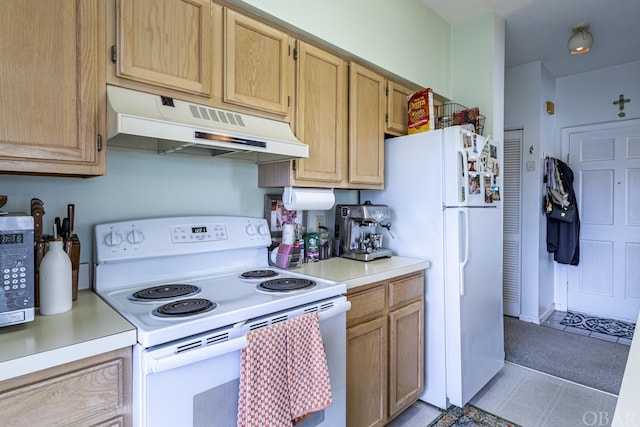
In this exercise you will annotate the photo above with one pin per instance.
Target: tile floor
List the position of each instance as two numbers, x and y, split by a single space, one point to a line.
530 399
553 321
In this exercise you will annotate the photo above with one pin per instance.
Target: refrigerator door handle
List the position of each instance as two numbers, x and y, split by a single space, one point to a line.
463 217
463 176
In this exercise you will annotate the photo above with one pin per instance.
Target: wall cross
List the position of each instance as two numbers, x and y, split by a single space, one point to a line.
621 101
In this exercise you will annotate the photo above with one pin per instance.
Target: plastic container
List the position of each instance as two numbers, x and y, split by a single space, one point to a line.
55 280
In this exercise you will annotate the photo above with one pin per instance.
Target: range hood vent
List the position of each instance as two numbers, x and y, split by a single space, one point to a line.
173 126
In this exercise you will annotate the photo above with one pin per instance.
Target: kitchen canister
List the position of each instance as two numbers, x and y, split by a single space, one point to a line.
55 280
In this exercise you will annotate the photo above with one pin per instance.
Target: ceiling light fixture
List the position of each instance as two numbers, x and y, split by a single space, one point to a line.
581 40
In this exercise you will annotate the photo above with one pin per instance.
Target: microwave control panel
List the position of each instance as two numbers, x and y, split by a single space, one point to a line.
17 293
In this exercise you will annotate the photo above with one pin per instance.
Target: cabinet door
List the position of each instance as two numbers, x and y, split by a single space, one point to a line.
396 119
52 110
321 115
166 43
406 356
366 126
257 64
367 373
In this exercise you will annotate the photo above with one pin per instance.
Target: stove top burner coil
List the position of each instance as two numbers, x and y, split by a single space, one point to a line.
286 284
258 274
165 292
185 307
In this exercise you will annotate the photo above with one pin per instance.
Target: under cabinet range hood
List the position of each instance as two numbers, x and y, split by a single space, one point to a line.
169 125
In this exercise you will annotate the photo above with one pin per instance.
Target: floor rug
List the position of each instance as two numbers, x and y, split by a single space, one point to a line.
579 358
612 327
469 416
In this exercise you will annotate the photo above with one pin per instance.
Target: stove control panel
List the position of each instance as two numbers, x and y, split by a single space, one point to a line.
148 238
198 233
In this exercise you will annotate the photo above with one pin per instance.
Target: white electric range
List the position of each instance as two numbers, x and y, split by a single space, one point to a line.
193 287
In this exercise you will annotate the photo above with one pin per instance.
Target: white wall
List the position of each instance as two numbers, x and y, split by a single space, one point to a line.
587 98
580 99
521 87
527 87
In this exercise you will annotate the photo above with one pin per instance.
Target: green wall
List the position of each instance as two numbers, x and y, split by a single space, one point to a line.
402 36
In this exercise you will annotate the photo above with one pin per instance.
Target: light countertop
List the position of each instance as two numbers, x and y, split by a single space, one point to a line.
358 273
91 327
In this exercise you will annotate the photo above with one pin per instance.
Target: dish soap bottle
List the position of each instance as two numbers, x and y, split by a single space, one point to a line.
55 280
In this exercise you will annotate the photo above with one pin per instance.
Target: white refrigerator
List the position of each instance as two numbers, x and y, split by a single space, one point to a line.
444 188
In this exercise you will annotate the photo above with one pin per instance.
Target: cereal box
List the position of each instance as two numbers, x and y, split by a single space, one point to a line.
420 111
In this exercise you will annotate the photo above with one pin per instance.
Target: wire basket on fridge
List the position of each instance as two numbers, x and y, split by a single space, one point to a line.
452 114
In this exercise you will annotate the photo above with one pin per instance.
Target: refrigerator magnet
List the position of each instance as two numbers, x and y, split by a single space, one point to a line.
474 184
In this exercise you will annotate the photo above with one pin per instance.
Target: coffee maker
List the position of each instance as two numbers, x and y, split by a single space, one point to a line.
358 233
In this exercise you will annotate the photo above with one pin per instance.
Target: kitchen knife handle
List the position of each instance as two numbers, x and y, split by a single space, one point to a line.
71 212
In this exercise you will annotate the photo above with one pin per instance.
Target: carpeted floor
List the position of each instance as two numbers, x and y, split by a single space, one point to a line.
469 416
595 363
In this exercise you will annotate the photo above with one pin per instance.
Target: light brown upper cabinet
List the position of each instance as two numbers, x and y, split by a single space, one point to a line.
321 122
165 43
343 153
396 119
52 106
257 65
367 108
321 114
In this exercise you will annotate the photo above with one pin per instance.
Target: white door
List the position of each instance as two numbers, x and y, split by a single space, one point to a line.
512 234
605 160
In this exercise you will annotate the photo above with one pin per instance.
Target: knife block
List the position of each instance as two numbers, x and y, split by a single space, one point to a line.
71 246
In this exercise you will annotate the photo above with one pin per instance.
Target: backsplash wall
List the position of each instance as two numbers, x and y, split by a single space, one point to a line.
141 185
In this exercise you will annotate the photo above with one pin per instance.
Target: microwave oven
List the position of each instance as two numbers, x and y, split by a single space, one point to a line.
17 296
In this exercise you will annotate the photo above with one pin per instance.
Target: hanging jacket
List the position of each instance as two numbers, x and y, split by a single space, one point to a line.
563 238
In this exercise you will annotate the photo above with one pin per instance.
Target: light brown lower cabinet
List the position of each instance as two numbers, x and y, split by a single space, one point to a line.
385 349
95 392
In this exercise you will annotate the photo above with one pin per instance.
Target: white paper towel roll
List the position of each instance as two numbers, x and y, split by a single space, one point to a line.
308 199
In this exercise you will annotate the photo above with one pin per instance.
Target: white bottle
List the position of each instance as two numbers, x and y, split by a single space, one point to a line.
55 280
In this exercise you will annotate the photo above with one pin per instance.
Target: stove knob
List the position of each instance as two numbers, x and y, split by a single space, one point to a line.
112 239
263 230
251 230
135 237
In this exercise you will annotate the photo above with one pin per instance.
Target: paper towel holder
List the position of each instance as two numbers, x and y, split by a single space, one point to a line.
300 198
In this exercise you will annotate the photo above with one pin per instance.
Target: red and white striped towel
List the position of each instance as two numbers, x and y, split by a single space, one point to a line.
308 375
283 374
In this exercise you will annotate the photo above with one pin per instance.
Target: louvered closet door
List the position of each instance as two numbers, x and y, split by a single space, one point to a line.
511 226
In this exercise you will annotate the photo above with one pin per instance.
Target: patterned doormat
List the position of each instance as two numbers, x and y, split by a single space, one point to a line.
612 327
469 416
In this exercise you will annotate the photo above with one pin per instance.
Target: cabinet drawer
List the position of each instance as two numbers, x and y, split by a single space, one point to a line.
366 305
90 392
405 289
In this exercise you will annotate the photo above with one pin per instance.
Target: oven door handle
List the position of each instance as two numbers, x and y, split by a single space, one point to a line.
174 361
